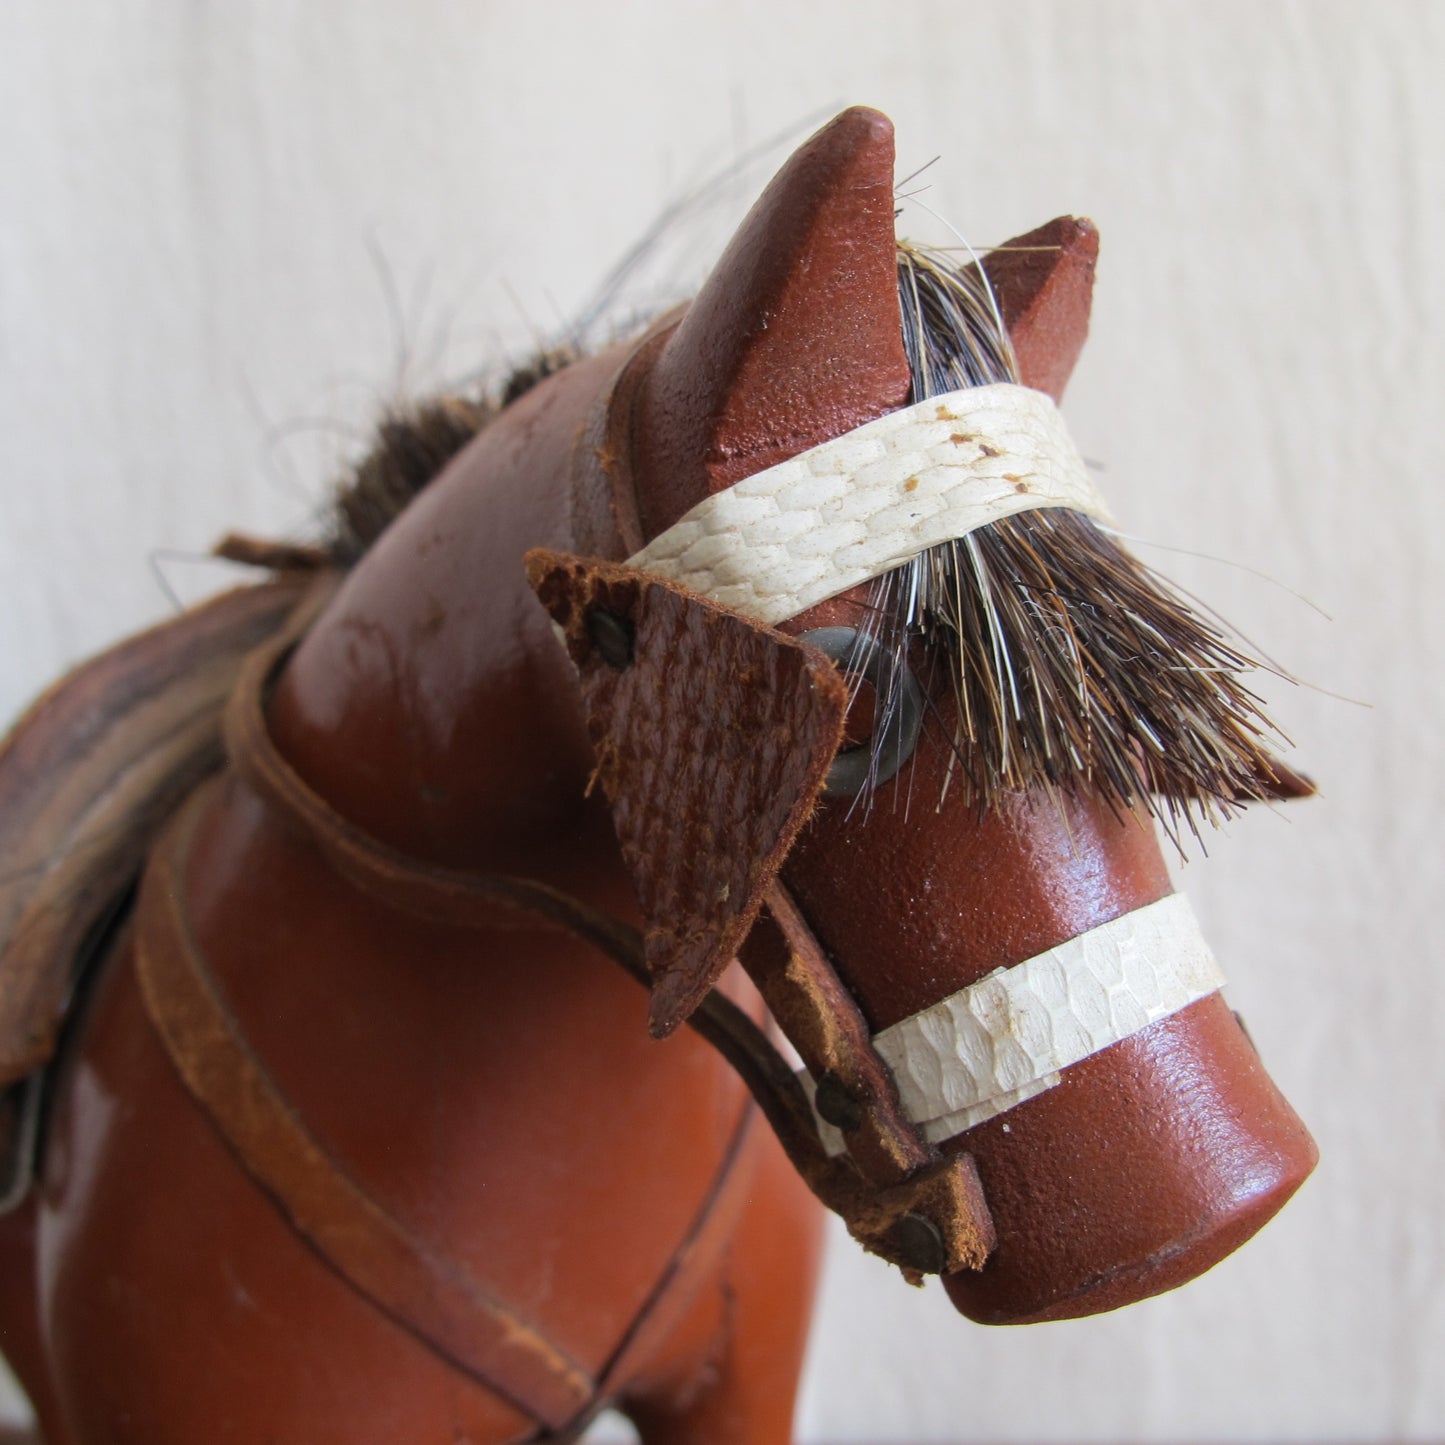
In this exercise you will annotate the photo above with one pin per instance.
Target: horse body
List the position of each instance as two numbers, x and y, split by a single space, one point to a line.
488 1091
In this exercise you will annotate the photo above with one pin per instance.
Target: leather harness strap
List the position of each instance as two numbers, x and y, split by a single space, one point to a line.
424 1294
828 1029
427 1295
924 1211
444 895
499 901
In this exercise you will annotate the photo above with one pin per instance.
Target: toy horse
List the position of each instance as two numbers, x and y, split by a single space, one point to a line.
792 632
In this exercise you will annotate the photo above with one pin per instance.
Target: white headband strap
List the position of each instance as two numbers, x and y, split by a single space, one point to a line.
784 539
1005 1039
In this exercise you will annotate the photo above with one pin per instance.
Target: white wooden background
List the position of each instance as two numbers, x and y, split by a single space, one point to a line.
193 198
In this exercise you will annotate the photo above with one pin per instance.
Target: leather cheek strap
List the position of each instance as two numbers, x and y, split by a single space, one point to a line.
713 735
923 1210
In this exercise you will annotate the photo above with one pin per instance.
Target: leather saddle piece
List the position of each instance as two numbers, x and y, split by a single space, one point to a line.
713 736
87 778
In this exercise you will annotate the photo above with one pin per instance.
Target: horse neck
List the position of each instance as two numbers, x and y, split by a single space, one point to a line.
430 704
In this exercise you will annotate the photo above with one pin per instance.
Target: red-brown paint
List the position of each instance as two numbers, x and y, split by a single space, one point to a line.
499 1091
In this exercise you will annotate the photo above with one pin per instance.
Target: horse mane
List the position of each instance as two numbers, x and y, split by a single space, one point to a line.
412 445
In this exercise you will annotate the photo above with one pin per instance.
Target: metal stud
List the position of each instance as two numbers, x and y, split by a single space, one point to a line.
918 1244
837 1103
612 635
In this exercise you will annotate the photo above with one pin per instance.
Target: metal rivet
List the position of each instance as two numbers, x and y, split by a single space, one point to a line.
612 636
837 1103
918 1244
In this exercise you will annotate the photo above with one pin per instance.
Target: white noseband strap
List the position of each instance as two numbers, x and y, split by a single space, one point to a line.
784 539
1006 1038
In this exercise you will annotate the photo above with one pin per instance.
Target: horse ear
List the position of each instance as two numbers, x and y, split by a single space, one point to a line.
1044 284
794 338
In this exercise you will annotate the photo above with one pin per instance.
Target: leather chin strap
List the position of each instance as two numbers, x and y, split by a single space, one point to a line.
900 1198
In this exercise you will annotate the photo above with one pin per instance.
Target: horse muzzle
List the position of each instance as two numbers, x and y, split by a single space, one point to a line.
1147 1164
1125 1134
1124 1131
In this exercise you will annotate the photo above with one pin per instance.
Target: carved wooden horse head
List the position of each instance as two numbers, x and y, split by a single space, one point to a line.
353 1134
985 937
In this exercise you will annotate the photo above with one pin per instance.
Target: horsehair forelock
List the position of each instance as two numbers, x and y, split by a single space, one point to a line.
1073 664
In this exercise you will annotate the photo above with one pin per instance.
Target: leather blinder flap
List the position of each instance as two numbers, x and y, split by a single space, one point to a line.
713 736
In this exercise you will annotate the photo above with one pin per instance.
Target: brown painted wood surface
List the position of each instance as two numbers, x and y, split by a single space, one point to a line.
496 1091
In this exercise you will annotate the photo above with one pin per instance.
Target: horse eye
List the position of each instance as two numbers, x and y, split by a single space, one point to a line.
897 709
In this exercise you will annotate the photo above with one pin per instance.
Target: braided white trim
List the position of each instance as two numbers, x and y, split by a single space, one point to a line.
1005 1039
784 539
